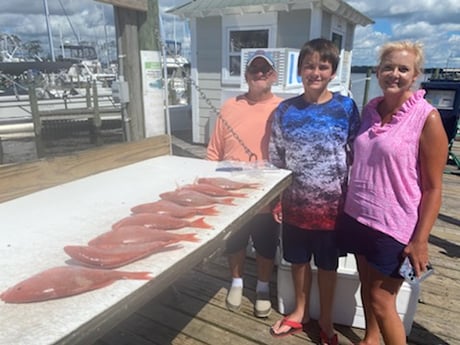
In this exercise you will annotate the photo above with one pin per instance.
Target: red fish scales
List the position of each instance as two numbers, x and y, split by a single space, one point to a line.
160 221
172 209
116 256
189 197
134 234
64 281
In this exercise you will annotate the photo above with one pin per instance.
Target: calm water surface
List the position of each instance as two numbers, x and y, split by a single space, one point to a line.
358 84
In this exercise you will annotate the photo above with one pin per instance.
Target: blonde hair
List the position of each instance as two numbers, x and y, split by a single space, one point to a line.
415 48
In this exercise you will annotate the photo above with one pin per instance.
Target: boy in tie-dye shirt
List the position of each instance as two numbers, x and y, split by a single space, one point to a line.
312 135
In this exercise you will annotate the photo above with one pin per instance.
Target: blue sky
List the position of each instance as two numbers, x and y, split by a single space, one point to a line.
435 23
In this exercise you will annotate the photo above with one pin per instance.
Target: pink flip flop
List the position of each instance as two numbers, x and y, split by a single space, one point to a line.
296 327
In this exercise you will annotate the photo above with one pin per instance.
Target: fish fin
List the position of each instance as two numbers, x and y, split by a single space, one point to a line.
172 247
239 195
207 211
200 223
189 237
138 209
136 275
118 224
227 201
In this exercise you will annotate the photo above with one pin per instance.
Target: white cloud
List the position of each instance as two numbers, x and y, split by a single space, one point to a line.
413 30
435 23
366 43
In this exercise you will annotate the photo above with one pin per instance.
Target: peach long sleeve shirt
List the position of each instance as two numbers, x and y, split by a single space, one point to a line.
250 121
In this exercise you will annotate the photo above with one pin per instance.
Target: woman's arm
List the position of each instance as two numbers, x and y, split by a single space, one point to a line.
433 156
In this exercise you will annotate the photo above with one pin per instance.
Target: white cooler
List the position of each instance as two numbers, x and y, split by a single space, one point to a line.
348 309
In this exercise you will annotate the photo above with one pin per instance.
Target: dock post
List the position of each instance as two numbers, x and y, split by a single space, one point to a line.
36 119
367 83
1 151
95 128
88 94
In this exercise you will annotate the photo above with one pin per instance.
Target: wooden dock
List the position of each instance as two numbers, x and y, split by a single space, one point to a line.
192 311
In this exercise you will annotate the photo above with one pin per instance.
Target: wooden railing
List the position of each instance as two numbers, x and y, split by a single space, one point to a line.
69 111
92 113
23 178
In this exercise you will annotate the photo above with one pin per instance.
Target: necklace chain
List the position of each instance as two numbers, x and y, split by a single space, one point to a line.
247 150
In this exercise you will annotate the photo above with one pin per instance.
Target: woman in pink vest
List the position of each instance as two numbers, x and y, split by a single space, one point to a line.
394 194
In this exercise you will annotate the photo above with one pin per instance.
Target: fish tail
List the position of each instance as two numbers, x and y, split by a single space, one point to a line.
200 223
189 237
207 211
227 201
136 275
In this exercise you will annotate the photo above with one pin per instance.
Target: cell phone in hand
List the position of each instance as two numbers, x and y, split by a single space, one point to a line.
407 271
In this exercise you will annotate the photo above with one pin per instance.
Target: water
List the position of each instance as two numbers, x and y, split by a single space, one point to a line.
358 84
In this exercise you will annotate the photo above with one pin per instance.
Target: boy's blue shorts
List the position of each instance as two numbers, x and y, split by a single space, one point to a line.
381 251
299 245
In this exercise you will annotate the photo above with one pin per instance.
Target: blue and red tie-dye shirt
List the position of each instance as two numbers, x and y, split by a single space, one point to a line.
314 142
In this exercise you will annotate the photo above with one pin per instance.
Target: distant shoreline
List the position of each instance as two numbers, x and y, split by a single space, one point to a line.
364 69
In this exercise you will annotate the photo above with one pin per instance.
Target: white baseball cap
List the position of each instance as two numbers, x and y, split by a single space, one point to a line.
264 55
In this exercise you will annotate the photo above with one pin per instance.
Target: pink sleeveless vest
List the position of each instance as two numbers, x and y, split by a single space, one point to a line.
385 187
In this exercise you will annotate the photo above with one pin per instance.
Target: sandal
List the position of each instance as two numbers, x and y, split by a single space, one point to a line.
325 340
295 327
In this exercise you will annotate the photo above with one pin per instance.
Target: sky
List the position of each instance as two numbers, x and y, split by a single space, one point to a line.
434 23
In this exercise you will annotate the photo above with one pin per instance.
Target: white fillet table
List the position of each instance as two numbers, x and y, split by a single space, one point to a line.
36 227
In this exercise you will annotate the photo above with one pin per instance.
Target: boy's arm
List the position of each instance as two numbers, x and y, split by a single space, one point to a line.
275 150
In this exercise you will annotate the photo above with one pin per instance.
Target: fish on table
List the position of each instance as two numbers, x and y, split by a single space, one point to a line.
134 234
187 197
64 281
226 183
161 222
172 209
212 190
116 256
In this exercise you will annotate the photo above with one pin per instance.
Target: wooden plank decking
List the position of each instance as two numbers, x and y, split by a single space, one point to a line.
192 311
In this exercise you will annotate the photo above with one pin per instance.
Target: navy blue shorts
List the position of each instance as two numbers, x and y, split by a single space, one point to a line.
299 245
264 232
381 251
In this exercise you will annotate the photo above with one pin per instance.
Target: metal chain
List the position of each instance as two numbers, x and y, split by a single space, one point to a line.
164 48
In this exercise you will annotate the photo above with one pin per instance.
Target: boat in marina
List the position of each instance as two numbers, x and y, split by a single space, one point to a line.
443 92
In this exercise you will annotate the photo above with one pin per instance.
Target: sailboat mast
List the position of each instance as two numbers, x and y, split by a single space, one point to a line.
50 37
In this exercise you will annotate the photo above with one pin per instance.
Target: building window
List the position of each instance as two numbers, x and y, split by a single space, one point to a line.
337 40
239 39
240 32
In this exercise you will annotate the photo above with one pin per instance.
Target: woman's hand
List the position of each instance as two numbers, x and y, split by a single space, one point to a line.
418 255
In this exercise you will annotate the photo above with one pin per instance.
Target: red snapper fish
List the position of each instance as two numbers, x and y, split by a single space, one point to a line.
187 197
65 281
160 221
116 256
172 209
212 190
134 234
226 183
